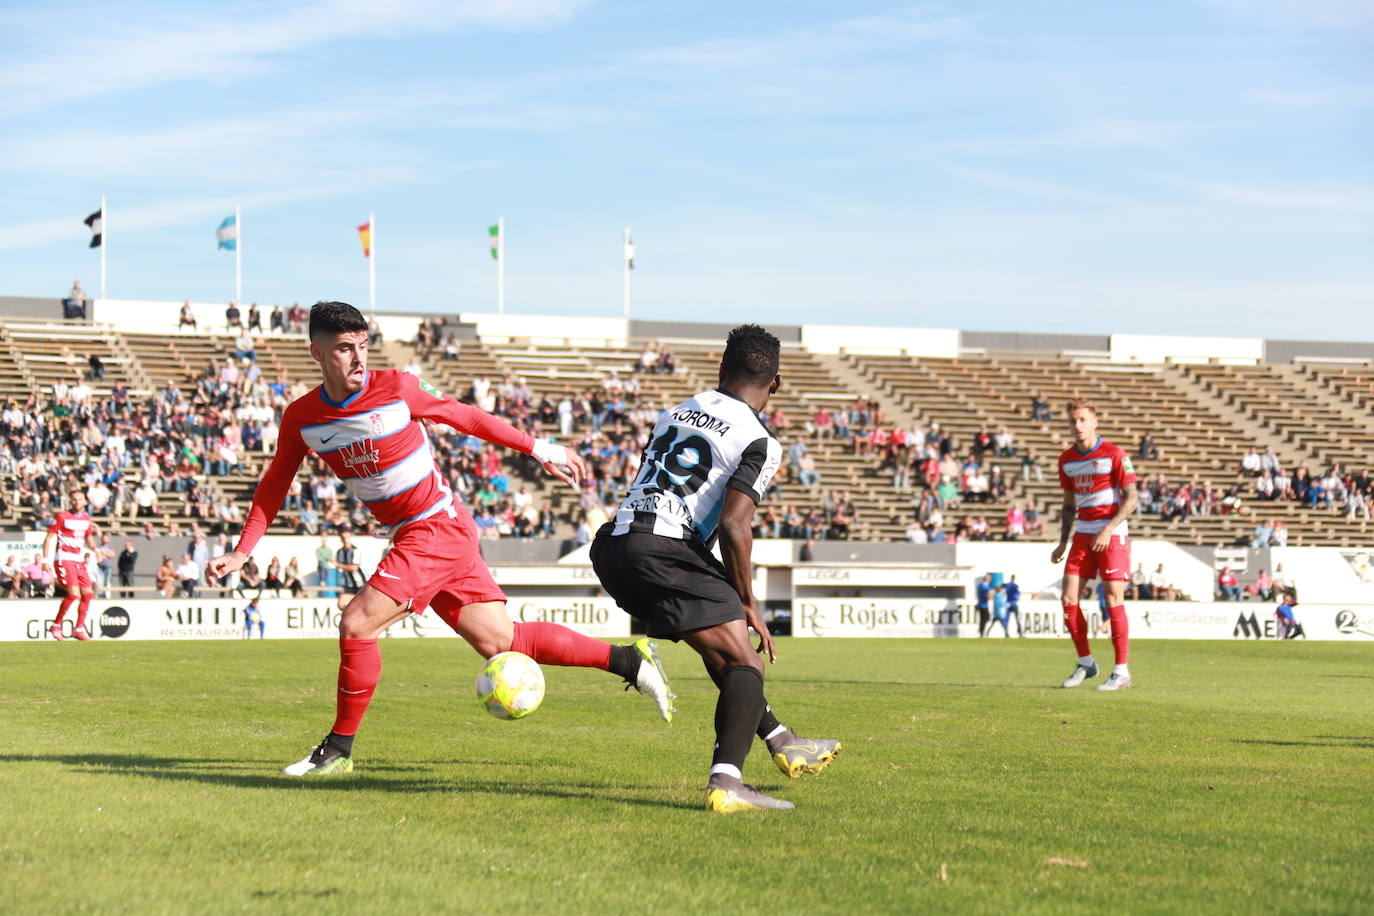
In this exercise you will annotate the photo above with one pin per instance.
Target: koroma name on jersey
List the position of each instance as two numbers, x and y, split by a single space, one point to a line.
1096 478
698 450
375 444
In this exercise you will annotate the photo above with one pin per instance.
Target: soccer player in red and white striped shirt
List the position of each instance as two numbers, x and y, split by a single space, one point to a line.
366 425
1099 495
71 530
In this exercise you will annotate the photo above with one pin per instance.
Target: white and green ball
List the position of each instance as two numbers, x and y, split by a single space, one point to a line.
510 685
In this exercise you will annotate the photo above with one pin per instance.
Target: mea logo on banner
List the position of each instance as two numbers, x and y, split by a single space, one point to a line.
1249 626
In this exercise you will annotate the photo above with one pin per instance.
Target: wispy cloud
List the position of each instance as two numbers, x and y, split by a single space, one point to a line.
133 54
822 42
1349 201
1117 134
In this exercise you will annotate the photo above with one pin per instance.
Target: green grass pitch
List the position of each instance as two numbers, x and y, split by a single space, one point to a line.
1234 777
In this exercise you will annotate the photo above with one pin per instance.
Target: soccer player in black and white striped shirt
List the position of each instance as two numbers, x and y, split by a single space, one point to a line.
707 464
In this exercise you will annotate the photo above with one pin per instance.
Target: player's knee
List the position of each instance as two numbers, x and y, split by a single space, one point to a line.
489 644
354 624
747 659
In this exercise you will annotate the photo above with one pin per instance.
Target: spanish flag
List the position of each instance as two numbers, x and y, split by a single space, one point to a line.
365 236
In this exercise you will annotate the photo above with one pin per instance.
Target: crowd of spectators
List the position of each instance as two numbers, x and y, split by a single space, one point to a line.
1334 488
147 457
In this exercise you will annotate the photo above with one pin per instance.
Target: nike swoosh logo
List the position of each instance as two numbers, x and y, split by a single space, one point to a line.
327 438
388 575
352 692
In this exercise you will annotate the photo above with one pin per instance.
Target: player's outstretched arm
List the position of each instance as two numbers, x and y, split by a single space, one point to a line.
427 403
271 491
736 548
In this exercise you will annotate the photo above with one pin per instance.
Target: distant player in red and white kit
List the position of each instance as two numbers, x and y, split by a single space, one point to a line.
366 426
69 532
1099 495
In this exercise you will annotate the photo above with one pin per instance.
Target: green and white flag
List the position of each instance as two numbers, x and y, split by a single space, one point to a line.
495 233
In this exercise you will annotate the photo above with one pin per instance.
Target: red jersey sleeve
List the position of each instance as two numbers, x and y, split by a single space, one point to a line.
56 526
1065 483
1123 471
426 403
267 499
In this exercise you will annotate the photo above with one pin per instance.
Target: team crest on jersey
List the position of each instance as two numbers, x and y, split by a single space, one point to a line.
376 420
1083 483
361 457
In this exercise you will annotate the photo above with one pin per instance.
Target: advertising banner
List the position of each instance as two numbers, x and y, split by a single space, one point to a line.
904 618
215 618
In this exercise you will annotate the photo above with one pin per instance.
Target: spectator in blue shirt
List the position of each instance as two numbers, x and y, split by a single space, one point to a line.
985 590
1012 591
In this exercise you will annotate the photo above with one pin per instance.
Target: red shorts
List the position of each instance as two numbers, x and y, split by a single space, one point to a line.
72 575
435 563
1111 565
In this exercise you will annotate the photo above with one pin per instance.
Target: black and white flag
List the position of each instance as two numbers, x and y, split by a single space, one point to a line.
94 223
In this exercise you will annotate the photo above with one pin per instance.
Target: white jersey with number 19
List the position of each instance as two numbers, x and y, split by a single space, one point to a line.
700 449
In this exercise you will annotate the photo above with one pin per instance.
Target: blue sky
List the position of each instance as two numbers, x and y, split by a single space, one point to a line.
1182 166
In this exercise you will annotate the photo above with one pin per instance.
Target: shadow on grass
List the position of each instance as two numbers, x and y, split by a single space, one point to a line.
1331 742
249 775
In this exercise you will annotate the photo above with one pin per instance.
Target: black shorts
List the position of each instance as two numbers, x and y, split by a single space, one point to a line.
675 586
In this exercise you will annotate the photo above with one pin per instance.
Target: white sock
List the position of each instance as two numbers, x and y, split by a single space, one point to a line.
725 769
1086 661
775 732
1121 670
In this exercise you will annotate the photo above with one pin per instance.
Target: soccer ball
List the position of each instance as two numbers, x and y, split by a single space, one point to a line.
510 685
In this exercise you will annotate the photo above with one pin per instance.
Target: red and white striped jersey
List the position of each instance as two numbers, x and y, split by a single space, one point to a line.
1095 478
72 529
374 443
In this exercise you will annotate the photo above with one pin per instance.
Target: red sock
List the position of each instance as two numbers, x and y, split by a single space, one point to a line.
1121 633
360 667
82 609
66 606
555 644
1078 628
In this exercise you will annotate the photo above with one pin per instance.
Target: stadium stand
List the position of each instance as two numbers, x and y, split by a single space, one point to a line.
867 436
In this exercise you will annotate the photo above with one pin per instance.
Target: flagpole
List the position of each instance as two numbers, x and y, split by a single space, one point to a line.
372 262
501 265
625 258
104 243
238 255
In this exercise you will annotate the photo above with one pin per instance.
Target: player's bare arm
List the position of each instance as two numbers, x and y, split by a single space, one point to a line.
49 544
736 549
1130 498
1066 518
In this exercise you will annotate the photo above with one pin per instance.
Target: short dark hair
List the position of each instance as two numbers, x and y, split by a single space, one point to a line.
335 318
751 356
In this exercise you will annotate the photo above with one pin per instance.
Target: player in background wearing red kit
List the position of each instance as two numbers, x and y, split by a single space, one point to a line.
69 532
366 426
1099 495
